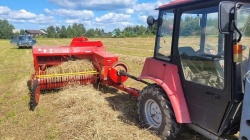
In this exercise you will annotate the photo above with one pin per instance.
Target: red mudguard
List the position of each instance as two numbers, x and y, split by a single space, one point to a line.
166 75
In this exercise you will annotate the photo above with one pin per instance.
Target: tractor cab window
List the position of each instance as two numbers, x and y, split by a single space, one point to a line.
200 47
164 36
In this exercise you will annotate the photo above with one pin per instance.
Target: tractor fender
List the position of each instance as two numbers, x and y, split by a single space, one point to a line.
166 75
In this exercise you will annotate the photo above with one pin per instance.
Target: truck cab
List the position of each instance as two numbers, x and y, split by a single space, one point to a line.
199 66
23 41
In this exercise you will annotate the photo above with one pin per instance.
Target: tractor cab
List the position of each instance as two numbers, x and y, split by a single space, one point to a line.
202 52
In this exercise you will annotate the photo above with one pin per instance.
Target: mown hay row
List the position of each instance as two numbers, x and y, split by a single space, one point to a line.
82 65
84 113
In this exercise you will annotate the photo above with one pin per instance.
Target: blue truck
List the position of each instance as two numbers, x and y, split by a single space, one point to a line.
23 41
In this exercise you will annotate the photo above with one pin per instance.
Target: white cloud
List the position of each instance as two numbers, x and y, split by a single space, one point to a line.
4 10
113 17
143 18
161 2
110 21
72 21
16 20
87 23
24 16
46 10
126 24
143 10
21 14
146 8
41 19
84 14
129 11
71 16
95 4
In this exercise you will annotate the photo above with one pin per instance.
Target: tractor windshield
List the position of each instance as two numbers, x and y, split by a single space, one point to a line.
164 35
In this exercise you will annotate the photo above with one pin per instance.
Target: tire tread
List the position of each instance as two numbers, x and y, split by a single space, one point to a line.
171 127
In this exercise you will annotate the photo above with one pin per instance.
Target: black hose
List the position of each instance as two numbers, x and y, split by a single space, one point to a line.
124 73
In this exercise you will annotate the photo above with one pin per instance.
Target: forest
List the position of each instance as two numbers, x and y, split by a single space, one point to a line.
77 30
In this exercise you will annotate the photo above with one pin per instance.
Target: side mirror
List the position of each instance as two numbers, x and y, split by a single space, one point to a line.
226 16
150 20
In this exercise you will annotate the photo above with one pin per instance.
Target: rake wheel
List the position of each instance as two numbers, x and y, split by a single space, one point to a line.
34 95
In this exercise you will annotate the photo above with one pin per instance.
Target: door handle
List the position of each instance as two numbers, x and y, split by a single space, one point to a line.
214 95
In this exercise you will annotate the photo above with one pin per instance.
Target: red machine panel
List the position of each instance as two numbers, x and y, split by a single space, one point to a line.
104 58
66 50
82 41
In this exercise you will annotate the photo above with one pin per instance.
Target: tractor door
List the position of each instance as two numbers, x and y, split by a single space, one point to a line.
201 63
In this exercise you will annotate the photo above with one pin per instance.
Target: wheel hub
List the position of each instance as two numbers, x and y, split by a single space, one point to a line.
153 113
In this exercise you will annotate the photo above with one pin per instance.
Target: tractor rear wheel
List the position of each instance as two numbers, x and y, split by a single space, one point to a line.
34 95
156 112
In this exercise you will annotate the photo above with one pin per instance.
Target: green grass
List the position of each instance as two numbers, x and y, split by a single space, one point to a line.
51 133
10 115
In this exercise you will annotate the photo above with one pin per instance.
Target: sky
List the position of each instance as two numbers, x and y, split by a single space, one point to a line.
105 14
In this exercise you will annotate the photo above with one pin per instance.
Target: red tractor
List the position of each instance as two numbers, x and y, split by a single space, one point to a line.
199 69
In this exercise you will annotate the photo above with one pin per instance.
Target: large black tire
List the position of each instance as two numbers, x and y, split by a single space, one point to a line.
156 112
34 97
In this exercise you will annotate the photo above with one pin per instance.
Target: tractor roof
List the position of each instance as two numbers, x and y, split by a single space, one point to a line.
177 3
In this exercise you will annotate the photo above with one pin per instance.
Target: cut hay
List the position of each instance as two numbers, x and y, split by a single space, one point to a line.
70 71
70 66
84 113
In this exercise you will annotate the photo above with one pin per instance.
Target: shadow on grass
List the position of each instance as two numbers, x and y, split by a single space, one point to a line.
122 102
20 48
29 85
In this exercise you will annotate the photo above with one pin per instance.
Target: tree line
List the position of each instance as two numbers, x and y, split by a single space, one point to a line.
77 30
189 26
6 29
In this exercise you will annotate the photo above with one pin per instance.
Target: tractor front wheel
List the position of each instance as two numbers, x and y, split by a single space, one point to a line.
156 112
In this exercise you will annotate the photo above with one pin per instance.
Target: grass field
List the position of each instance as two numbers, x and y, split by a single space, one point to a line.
74 112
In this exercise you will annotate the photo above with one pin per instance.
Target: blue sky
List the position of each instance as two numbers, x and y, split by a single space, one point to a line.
106 14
